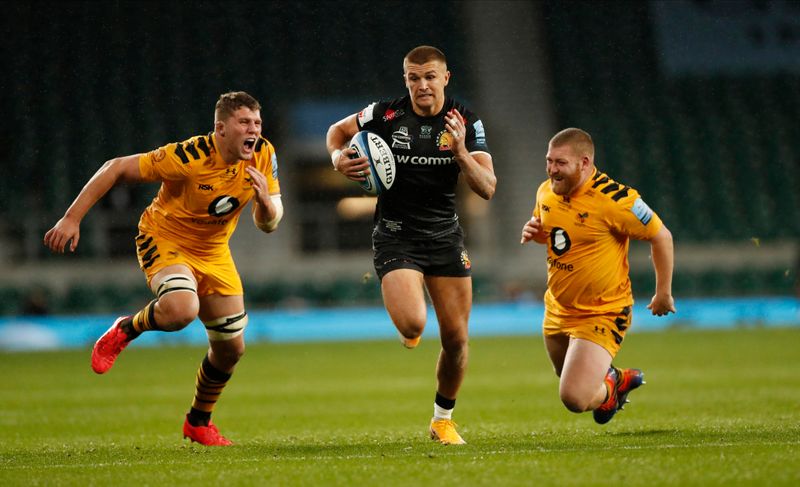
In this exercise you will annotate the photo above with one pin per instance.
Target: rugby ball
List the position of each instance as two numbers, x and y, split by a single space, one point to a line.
382 171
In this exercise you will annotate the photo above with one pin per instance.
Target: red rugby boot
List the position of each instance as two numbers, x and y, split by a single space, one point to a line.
205 435
108 347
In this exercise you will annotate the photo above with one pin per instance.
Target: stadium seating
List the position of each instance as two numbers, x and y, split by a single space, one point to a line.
718 155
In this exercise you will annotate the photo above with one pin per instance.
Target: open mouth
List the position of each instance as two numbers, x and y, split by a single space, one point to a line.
249 143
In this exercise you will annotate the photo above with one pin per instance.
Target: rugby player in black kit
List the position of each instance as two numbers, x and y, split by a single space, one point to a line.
418 242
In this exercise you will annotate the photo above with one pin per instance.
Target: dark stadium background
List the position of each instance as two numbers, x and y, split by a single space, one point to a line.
694 103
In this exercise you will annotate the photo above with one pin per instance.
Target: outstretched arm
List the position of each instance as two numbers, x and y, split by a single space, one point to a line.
662 251
68 227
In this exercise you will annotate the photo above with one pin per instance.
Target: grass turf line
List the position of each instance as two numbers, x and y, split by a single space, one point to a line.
719 408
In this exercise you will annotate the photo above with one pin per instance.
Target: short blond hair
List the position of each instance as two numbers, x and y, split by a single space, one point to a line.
580 141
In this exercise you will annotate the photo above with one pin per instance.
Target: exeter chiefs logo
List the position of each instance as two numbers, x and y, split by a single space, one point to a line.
465 260
444 140
223 205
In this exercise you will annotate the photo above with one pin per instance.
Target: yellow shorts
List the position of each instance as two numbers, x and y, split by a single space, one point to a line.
607 330
215 273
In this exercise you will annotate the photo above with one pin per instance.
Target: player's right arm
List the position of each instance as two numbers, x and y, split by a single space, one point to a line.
67 229
339 134
663 258
532 230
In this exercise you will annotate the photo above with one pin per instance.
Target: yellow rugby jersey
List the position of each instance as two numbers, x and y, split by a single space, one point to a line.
201 196
587 251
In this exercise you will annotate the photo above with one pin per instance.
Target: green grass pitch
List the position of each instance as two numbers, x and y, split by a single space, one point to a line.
719 408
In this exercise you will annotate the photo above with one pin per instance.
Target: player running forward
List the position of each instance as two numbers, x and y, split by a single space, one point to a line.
586 219
418 242
182 245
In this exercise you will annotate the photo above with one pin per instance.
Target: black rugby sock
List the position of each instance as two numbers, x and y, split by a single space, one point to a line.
444 403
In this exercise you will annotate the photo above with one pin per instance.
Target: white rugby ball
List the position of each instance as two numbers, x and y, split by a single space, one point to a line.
382 169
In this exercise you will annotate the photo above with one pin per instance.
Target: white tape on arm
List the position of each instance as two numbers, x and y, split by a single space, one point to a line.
272 224
335 157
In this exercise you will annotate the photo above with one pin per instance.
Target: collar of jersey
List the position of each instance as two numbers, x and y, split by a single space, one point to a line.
586 185
215 155
449 103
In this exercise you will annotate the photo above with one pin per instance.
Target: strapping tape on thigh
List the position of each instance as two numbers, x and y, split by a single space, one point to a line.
227 327
176 282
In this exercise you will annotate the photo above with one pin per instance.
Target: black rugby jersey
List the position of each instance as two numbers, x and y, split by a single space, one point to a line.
421 203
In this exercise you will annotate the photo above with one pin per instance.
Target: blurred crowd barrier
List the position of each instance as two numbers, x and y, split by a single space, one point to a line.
110 297
372 323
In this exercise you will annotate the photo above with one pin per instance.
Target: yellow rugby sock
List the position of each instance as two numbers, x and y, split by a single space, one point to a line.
145 320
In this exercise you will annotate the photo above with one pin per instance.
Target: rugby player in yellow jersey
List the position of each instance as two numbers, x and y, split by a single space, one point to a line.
206 181
587 220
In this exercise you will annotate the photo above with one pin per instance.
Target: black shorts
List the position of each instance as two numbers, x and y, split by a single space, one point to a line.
443 256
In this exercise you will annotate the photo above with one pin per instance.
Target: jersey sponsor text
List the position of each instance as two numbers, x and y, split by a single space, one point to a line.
424 160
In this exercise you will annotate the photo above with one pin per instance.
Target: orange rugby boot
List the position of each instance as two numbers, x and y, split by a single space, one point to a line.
620 383
444 431
409 342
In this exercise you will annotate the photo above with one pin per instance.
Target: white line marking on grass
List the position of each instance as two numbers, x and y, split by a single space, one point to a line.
449 452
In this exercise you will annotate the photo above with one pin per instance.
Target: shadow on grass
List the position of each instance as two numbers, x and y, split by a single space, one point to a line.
647 433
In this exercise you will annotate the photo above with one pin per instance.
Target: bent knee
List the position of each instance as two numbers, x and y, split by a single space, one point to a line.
232 356
454 337
455 344
177 314
574 402
410 333
410 326
228 356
